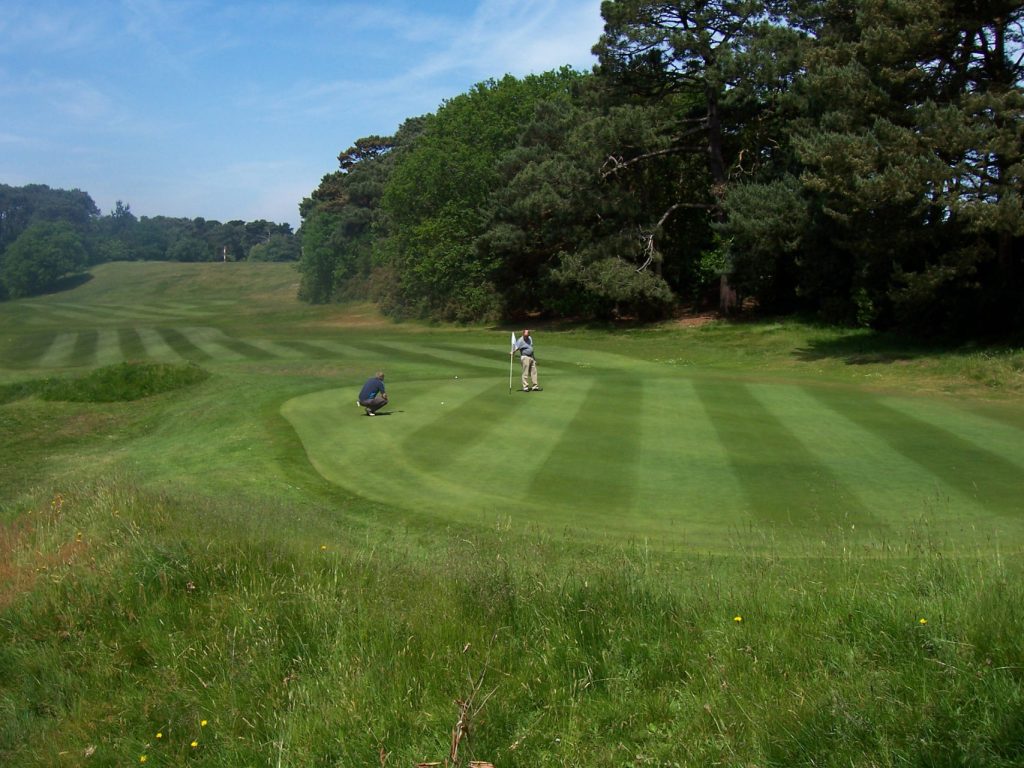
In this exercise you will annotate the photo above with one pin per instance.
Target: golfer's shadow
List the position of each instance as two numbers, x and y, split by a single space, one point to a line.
387 413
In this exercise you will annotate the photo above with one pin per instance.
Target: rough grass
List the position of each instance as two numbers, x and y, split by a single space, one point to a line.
117 383
358 649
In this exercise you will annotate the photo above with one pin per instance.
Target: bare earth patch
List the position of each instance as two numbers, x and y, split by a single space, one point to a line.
697 319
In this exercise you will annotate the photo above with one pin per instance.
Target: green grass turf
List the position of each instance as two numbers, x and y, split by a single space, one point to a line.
615 446
763 544
682 437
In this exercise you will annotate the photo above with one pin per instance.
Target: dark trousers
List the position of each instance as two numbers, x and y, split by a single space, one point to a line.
376 404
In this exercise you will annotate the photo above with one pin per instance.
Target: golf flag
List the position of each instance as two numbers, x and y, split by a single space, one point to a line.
510 355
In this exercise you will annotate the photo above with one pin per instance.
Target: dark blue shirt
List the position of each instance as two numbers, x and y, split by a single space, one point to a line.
370 389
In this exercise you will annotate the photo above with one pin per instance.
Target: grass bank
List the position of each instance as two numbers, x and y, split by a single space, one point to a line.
130 634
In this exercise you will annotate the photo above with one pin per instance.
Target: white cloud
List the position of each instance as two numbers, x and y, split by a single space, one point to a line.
49 30
144 97
432 58
523 38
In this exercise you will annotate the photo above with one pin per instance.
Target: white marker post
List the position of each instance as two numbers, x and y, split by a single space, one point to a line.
510 355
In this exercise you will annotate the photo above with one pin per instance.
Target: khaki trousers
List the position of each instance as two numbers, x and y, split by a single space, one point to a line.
529 370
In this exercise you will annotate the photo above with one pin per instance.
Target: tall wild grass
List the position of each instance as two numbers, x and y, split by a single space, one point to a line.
132 630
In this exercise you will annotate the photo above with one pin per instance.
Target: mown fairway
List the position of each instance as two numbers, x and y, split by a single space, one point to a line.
673 435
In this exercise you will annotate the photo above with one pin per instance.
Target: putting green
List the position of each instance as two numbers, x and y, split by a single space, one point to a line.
618 447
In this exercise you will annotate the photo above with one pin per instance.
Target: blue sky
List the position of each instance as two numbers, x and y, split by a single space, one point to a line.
232 110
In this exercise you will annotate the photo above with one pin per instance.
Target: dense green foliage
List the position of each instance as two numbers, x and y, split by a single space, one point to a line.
861 161
48 234
40 257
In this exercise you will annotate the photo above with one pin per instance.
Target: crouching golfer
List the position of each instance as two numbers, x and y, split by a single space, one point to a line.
525 347
372 396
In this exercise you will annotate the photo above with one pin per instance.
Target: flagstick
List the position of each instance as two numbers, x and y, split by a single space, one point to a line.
511 355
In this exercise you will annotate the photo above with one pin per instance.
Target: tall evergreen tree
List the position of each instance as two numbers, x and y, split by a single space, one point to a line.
343 219
912 157
729 58
571 238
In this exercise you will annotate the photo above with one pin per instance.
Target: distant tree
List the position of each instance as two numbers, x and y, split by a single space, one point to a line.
437 198
343 220
322 239
153 236
190 247
277 248
20 207
231 241
40 257
111 237
121 218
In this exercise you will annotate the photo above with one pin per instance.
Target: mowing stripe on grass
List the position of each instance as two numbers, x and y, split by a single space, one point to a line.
91 312
84 351
685 485
277 350
890 488
784 482
510 438
453 363
602 441
51 349
31 349
132 347
170 311
155 346
247 350
219 346
338 349
181 345
345 446
498 354
438 445
60 314
989 433
108 348
973 471
998 413
398 364
304 349
75 310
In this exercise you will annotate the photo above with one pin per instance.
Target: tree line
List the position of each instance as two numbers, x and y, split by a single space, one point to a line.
47 234
859 161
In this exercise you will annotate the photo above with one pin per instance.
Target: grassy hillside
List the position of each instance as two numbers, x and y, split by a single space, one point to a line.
766 544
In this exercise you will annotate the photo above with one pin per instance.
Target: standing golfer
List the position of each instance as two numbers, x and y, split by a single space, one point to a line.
372 396
525 347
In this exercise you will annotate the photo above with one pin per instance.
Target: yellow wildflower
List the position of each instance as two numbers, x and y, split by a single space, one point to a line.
194 744
202 723
159 734
737 619
143 758
922 621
